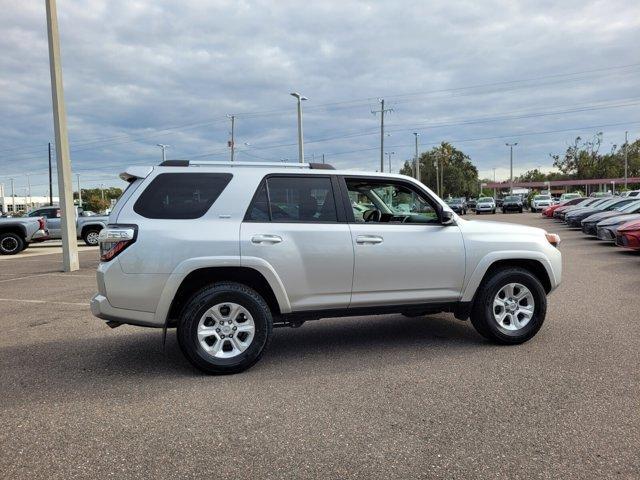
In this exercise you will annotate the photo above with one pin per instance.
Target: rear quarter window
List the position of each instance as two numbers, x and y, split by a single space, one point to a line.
181 196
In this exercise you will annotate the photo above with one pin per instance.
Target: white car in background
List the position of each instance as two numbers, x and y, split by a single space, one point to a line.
541 202
485 205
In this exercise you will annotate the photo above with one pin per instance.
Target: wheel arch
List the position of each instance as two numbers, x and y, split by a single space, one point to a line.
178 294
17 229
538 265
91 226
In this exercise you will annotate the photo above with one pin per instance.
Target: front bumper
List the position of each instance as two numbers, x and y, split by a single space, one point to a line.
605 233
485 208
575 222
511 207
590 229
628 241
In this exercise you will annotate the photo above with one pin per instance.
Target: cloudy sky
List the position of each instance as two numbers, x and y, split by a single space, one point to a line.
477 74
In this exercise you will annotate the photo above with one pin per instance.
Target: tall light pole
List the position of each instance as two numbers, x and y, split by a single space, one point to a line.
70 258
437 162
494 183
13 197
382 111
79 191
626 158
29 189
50 179
511 145
300 98
232 142
389 159
416 159
164 150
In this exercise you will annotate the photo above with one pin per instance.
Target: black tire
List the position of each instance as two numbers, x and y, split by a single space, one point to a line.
482 312
205 299
520 210
493 211
11 243
90 236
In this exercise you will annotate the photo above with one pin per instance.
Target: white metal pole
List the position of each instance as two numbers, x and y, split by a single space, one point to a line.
300 98
13 197
79 191
416 159
70 258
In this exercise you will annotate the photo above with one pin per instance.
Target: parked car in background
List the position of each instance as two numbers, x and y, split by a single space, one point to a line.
512 203
590 224
499 201
539 202
628 235
548 212
631 193
568 196
471 203
485 205
88 226
607 229
17 233
458 205
561 212
575 218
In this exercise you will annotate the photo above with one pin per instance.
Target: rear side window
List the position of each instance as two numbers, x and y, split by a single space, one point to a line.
181 196
293 199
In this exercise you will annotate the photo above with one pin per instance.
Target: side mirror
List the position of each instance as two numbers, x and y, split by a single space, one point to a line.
447 217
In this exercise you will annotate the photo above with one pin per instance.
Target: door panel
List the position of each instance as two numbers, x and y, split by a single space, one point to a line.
314 261
411 264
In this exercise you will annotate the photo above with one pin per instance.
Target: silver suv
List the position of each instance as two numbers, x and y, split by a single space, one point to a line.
225 252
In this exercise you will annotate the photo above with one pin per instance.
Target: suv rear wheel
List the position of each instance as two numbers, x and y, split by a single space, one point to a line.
510 306
225 328
11 243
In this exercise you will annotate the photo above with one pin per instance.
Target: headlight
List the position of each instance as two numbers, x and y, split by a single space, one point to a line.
553 239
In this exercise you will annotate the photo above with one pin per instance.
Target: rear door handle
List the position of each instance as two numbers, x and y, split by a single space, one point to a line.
368 239
266 239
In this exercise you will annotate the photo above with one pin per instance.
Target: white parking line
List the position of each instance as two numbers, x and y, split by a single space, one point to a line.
13 279
43 301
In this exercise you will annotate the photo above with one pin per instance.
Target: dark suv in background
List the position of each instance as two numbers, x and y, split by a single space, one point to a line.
512 203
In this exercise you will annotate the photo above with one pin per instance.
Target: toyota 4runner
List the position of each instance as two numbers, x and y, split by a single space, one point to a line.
225 252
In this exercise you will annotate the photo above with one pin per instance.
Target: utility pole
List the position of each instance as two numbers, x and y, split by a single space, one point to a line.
79 191
494 183
50 179
323 158
382 111
65 190
416 167
102 191
389 159
164 150
232 142
300 99
13 198
438 173
511 145
626 158
29 190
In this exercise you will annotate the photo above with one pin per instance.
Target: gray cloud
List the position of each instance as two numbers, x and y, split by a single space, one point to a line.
140 73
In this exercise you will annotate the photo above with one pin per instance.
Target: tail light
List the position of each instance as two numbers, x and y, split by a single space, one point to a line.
114 239
42 223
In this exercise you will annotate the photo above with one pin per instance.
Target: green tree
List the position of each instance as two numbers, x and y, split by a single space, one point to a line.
98 200
460 175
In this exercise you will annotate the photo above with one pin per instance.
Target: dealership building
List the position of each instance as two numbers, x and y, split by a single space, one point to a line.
10 204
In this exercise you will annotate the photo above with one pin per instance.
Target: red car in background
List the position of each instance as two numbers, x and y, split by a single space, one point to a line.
628 235
548 212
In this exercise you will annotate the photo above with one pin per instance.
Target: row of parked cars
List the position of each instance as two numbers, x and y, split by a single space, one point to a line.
509 203
612 219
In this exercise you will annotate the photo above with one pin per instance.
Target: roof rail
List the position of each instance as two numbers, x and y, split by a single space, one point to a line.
195 163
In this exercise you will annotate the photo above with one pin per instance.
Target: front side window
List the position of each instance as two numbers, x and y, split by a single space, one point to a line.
388 202
181 196
293 199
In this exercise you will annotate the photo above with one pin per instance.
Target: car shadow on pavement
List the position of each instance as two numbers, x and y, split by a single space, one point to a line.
104 366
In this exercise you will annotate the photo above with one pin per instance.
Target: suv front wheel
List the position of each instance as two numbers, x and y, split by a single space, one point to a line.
225 328
510 306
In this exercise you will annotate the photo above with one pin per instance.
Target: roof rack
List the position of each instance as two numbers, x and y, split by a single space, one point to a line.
195 163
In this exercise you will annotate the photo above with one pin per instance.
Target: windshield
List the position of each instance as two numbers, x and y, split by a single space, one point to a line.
542 197
455 201
512 198
631 207
485 199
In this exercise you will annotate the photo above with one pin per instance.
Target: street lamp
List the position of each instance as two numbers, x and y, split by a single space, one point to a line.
389 159
300 99
416 161
511 145
164 149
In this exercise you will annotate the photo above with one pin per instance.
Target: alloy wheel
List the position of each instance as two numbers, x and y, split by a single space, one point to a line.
513 307
226 330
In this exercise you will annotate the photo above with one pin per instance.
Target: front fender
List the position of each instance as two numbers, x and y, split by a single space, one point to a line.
553 271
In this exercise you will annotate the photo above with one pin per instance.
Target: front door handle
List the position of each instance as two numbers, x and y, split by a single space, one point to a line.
266 239
368 239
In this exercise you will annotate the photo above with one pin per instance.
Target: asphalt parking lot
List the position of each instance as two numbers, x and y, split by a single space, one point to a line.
368 397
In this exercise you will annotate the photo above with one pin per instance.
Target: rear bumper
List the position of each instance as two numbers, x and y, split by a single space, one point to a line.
40 236
101 308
